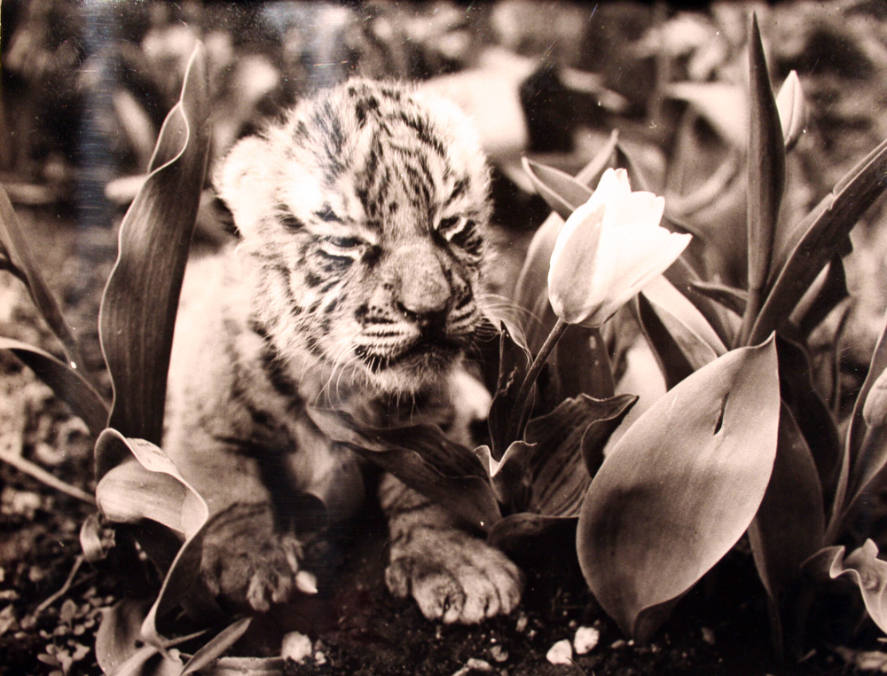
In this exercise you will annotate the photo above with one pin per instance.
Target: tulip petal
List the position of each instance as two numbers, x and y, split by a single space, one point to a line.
608 249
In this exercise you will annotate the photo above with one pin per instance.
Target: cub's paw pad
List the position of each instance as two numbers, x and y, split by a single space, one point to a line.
248 563
453 576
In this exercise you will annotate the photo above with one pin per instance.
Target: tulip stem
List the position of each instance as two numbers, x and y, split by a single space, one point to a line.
526 388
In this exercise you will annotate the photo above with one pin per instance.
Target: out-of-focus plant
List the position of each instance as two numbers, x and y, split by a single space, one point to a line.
139 489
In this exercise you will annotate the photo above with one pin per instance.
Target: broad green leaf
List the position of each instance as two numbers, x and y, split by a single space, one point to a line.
678 490
812 243
139 303
423 458
20 261
216 647
766 176
561 192
790 523
68 384
137 480
864 568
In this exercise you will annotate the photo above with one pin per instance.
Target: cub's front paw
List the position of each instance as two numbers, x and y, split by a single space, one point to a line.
247 563
453 576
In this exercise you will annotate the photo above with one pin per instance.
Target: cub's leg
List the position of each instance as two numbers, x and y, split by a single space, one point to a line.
250 558
453 575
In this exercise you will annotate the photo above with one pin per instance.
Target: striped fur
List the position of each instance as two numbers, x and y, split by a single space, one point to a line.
361 216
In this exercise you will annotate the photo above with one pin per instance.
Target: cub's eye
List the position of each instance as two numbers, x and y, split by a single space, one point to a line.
461 232
344 242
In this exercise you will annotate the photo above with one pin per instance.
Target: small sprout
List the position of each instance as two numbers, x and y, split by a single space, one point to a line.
792 109
560 653
585 640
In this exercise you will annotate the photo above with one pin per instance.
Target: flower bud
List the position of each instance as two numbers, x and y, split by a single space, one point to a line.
608 250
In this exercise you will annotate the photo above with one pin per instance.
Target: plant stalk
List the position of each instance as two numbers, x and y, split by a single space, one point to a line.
526 388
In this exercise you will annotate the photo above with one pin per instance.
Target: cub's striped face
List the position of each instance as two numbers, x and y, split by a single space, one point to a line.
365 211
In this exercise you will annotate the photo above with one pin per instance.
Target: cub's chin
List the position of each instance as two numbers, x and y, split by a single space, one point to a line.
420 367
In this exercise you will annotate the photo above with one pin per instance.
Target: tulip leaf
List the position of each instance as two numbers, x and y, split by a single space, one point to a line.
678 490
790 523
729 297
561 441
16 256
591 173
826 292
116 642
137 480
561 192
210 651
812 242
864 568
766 175
810 411
865 449
68 384
682 276
674 363
423 458
139 303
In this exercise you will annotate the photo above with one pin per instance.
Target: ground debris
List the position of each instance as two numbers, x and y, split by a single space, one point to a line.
474 665
585 640
560 653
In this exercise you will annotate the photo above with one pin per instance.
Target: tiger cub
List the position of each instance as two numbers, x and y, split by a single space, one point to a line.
354 285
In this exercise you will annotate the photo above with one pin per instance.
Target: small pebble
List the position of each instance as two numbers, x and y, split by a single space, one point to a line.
522 621
295 646
585 640
498 653
319 657
708 636
618 643
472 665
560 653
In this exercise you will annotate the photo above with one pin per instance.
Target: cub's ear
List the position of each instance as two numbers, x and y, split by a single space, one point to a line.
243 181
